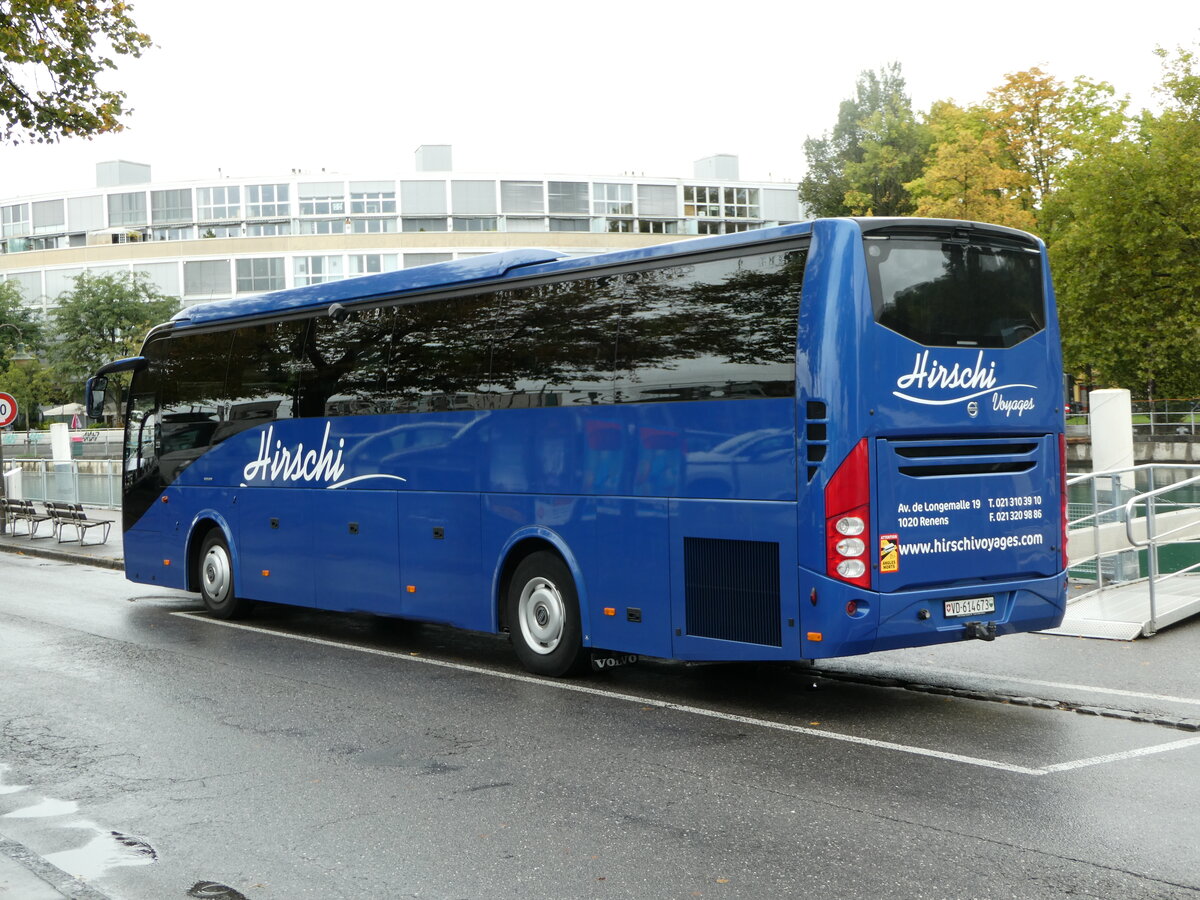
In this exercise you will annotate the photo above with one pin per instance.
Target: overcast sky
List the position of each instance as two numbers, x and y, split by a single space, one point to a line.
354 86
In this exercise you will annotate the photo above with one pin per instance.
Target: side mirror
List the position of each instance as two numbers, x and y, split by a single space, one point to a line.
94 394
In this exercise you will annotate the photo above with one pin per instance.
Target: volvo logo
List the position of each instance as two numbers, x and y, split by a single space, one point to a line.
973 409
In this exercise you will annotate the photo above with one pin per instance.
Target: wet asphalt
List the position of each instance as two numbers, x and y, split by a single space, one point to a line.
149 752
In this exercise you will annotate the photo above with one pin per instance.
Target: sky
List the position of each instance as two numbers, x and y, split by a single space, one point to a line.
246 87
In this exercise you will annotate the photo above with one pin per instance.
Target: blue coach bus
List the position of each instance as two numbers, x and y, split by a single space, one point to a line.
799 442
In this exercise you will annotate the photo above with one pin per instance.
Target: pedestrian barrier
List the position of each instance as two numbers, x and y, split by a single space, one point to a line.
96 482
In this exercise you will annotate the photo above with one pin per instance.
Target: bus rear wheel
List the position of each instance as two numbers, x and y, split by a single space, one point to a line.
215 577
543 617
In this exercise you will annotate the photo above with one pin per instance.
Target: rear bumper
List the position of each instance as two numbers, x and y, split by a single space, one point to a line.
917 618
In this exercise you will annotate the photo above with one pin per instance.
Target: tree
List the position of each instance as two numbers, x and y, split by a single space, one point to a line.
50 62
32 384
1043 124
19 325
967 176
876 147
1124 259
105 317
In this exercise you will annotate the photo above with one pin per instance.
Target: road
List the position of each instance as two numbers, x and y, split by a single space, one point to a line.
152 752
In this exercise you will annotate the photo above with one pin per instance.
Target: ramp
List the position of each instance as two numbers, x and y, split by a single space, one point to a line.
1123 613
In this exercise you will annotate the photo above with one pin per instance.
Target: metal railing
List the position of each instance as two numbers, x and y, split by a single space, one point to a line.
92 443
1119 521
95 482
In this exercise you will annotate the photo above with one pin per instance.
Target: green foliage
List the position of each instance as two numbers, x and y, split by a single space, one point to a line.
32 384
1126 249
49 64
104 318
20 329
969 174
876 147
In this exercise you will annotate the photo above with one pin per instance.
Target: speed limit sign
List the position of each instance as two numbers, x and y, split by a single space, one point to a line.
8 409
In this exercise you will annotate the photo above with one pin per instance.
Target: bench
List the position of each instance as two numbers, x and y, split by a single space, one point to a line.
64 514
23 511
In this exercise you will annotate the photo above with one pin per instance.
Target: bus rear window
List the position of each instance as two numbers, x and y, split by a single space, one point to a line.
955 293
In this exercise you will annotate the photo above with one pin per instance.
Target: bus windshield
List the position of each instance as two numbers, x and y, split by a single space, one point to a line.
955 293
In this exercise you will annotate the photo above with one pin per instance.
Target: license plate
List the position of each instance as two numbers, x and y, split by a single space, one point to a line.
970 606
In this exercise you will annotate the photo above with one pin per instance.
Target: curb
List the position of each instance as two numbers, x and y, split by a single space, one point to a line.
65 556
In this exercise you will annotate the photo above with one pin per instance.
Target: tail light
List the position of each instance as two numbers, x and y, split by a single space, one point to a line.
848 519
1062 487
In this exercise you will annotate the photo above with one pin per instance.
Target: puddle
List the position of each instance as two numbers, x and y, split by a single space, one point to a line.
45 809
107 850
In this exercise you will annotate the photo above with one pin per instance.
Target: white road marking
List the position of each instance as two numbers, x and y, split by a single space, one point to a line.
708 713
1091 688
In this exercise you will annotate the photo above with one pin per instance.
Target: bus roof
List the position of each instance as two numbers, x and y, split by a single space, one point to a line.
489 268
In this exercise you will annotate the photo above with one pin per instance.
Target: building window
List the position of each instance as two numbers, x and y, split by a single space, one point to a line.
372 202
423 198
372 263
15 219
657 200
222 202
414 225
173 233
474 223
645 226
373 226
171 206
268 229
127 209
708 227
257 275
569 197
323 226
741 203
265 201
220 231
317 269
329 205
612 199
515 223
473 197
619 225
521 197
49 217
206 277
734 227
424 259
702 202
570 224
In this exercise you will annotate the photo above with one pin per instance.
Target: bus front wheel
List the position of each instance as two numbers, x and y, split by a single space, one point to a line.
215 577
543 617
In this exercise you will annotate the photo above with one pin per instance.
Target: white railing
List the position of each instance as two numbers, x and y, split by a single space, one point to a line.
103 443
1106 533
95 482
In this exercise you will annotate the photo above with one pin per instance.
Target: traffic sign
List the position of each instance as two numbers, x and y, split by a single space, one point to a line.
8 409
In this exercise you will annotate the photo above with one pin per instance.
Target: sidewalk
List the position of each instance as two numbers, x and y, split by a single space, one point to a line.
109 555
26 876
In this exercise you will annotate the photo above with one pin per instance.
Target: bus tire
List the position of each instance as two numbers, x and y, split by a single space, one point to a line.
543 617
214 575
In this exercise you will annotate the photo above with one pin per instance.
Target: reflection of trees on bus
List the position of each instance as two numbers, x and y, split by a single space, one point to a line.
716 329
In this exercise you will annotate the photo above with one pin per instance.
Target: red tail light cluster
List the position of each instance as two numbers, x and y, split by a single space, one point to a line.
848 519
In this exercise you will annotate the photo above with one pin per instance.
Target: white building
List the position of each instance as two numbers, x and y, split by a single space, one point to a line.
218 238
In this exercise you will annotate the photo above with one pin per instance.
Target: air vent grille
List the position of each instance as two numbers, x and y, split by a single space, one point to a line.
731 590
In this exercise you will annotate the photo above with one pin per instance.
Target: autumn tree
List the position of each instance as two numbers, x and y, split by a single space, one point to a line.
1043 123
1125 257
52 54
875 148
968 175
105 317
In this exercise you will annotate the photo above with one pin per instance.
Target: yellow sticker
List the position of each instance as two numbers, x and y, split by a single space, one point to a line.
889 553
